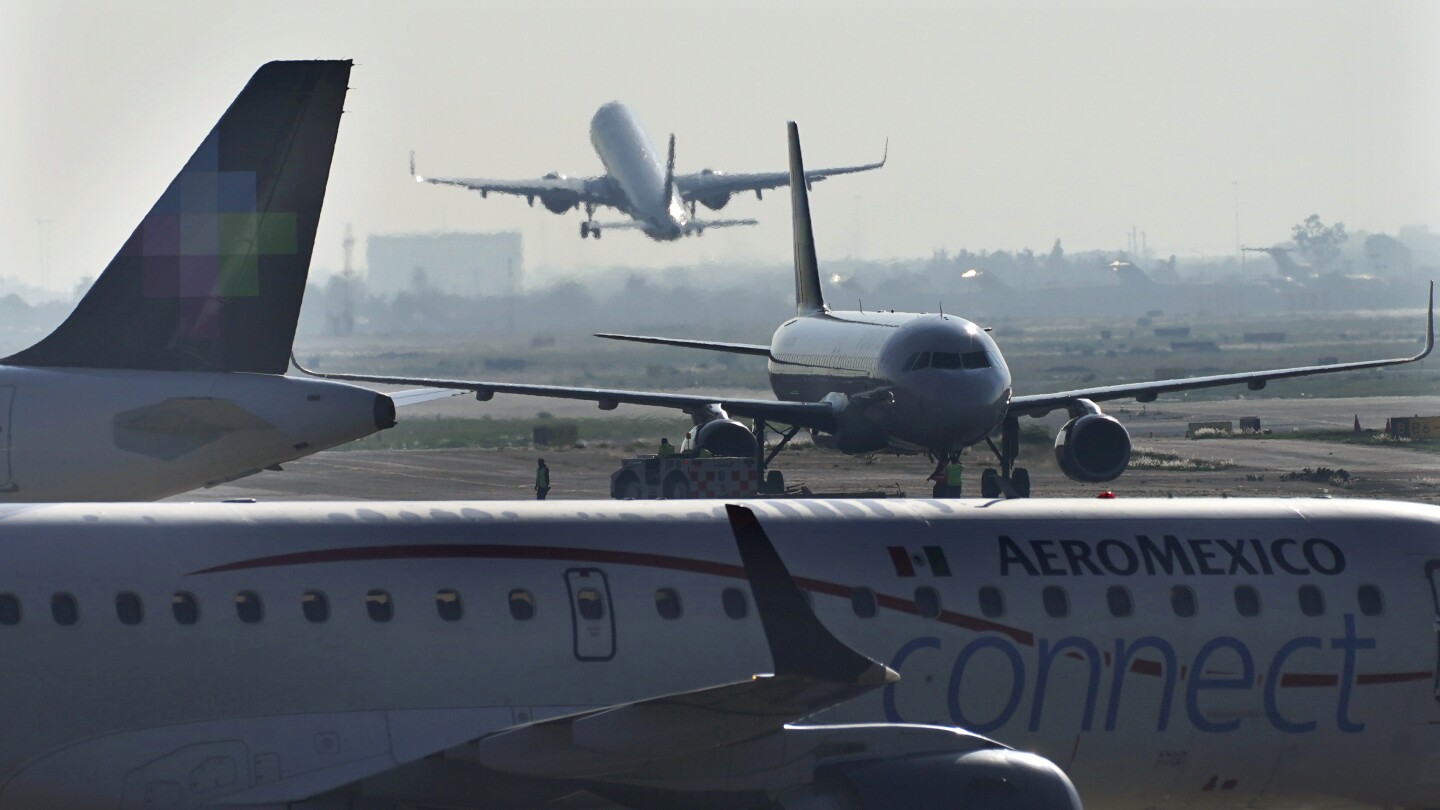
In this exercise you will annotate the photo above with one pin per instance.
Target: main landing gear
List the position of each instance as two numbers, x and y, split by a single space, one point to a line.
1009 480
772 482
588 227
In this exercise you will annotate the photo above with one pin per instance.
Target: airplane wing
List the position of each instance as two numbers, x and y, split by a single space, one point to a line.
594 190
813 671
1041 404
816 415
708 183
709 345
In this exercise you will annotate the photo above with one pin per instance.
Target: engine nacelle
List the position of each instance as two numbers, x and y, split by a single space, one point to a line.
1092 448
559 201
995 779
723 437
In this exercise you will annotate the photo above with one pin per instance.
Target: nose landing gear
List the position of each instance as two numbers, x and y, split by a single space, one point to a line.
1009 480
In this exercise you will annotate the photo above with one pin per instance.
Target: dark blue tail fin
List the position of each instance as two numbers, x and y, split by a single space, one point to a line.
213 278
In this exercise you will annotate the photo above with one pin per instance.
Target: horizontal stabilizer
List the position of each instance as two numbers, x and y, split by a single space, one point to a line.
708 345
700 225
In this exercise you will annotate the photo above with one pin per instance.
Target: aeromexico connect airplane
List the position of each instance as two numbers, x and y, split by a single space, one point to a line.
1166 653
868 381
659 202
169 373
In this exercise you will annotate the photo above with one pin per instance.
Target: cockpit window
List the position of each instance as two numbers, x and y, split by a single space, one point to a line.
978 359
945 360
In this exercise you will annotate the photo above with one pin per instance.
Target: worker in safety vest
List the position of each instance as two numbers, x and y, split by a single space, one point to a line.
954 471
666 448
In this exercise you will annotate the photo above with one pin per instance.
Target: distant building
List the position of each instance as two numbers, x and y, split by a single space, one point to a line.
471 264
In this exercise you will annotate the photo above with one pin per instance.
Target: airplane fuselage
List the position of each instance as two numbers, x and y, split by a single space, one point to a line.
115 435
931 382
251 650
633 163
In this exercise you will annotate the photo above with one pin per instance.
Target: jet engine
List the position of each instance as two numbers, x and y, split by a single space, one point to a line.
993 779
559 201
723 437
1093 448
714 201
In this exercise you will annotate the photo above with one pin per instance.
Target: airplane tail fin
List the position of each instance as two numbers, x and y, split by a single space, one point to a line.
808 297
669 174
213 277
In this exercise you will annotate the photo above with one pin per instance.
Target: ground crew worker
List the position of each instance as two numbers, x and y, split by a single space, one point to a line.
954 471
666 448
542 480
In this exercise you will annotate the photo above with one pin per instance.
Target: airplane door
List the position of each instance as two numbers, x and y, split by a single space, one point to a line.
1432 573
590 610
7 398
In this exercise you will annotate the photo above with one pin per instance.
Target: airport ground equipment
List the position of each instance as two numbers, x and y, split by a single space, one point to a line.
684 476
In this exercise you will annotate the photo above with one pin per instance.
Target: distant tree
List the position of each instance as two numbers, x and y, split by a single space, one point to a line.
1318 242
1055 262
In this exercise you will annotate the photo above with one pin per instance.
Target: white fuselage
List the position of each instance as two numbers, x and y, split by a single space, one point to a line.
633 163
1158 705
70 434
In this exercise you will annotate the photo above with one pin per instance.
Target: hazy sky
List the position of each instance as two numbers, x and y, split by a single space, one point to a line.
1010 123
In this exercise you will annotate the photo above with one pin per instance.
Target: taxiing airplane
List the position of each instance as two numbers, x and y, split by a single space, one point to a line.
169 374
912 382
659 202
1164 653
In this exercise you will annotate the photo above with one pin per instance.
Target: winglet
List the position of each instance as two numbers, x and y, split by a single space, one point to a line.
808 297
884 156
414 173
1429 325
799 643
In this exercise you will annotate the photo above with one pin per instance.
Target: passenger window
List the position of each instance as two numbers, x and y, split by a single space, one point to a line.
9 609
522 604
862 601
1312 601
992 601
248 607
184 607
1057 603
735 604
667 603
128 608
447 604
927 601
590 604
379 606
64 609
945 360
315 607
1372 602
1247 600
1118 598
978 359
1182 601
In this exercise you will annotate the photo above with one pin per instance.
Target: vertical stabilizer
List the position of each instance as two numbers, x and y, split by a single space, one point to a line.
213 277
808 298
669 193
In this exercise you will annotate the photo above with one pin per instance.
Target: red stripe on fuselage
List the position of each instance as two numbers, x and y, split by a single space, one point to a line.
597 556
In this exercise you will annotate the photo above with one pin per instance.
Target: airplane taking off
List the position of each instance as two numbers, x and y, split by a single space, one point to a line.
169 374
913 382
1163 653
658 202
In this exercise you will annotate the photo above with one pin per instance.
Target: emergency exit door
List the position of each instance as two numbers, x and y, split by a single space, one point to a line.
590 611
